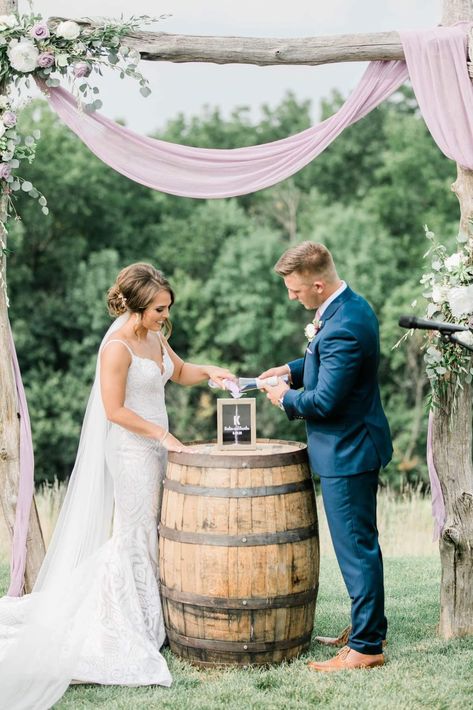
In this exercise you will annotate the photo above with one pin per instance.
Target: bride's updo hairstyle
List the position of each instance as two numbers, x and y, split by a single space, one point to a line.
134 289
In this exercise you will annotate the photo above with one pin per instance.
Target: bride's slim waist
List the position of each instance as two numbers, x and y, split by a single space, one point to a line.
159 420
150 413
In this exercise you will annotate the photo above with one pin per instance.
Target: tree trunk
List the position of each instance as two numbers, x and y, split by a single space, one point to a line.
9 421
452 454
452 445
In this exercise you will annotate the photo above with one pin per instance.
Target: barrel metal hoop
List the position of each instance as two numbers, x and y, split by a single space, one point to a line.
298 455
237 646
277 602
255 492
242 540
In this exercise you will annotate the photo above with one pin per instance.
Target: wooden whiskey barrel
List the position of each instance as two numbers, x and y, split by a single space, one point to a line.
239 554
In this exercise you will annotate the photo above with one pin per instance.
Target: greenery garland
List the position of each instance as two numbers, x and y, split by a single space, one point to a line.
449 294
33 49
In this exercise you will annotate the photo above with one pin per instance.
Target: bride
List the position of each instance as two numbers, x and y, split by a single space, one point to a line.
94 615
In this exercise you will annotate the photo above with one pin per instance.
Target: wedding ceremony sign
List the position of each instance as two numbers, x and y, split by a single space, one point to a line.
236 423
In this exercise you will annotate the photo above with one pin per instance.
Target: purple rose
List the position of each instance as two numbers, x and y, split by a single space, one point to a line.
9 119
81 69
45 60
5 171
40 31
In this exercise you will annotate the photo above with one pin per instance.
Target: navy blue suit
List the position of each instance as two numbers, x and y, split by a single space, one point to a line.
348 442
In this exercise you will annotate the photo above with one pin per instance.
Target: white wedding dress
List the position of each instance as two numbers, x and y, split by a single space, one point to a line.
103 623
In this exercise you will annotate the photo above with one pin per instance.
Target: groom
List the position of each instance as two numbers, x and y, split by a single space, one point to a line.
334 387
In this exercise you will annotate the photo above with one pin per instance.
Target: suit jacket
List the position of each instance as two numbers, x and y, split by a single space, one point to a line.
347 430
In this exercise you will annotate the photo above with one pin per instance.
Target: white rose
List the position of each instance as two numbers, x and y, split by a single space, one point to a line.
466 337
454 261
68 30
2 128
80 48
439 294
460 300
61 60
310 331
432 308
23 55
8 21
3 102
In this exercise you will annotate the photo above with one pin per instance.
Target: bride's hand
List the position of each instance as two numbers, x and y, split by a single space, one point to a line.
171 443
219 375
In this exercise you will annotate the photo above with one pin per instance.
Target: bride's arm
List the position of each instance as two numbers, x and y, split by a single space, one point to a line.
186 373
114 363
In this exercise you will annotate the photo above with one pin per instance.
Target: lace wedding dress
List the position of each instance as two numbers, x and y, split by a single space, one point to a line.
98 620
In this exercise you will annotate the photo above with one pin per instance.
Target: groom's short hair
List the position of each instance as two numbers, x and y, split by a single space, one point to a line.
307 258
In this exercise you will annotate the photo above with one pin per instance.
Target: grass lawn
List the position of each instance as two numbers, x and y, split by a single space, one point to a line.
423 671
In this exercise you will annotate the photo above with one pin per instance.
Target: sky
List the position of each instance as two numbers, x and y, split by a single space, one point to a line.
187 88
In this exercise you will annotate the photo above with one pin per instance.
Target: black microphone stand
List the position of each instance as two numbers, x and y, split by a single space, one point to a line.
448 337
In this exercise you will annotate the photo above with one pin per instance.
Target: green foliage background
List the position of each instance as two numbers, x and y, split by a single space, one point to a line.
366 197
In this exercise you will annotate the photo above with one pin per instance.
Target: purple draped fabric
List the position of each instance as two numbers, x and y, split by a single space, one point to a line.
213 173
436 65
26 484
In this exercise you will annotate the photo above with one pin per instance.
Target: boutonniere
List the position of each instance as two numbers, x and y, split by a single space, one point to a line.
311 329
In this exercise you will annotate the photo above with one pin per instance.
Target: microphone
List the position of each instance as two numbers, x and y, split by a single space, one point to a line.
414 322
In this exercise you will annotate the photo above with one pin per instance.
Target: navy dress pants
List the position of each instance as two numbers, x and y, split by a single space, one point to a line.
350 507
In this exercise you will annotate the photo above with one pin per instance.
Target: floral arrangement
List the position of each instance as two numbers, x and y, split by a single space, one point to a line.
449 295
32 49
312 328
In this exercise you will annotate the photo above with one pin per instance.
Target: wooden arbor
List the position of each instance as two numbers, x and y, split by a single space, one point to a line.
452 444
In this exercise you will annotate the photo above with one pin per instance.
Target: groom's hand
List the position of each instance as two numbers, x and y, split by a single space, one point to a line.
275 393
275 372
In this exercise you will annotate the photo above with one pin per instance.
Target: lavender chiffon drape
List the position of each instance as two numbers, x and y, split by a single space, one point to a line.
26 483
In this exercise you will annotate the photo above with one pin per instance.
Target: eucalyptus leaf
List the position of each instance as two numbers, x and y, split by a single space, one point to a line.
27 186
45 210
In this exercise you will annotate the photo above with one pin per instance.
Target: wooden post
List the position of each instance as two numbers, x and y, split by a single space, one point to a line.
452 444
9 421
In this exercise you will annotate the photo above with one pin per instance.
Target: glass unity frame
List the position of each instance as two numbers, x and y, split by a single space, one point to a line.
236 423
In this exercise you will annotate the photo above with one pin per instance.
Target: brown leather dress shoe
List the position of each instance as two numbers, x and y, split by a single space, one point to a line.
347 659
340 640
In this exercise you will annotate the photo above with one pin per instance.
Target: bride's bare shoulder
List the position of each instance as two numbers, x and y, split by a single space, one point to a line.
116 348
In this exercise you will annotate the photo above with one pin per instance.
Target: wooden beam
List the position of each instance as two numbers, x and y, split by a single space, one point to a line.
261 51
